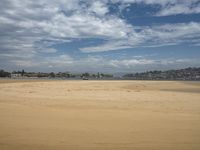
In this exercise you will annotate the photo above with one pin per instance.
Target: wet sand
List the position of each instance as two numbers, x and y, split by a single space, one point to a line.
99 115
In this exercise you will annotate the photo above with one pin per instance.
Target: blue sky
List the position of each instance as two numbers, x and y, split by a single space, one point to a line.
99 35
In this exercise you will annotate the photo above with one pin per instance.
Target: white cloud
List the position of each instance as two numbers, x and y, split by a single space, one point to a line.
111 45
93 63
29 25
32 61
48 50
99 8
168 7
181 7
154 36
31 28
131 63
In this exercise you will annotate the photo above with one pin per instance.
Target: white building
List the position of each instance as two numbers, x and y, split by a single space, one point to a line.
16 75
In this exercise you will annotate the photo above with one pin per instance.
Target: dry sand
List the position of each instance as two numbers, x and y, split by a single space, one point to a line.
99 115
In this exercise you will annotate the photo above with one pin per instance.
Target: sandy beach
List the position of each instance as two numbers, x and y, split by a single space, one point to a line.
99 115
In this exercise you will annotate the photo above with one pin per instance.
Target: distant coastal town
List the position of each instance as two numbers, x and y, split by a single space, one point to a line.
190 74
181 74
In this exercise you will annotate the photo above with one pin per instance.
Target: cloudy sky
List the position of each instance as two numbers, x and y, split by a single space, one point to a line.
99 35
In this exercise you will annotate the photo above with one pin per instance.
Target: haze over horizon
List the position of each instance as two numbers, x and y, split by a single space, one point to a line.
99 35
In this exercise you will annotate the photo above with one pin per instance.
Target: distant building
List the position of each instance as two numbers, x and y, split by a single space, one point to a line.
16 75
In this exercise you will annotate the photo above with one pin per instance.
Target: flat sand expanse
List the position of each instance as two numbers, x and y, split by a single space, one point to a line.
99 115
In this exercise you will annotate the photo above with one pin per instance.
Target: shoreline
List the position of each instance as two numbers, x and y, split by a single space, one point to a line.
90 79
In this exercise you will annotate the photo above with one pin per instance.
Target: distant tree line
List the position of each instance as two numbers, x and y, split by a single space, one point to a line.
4 73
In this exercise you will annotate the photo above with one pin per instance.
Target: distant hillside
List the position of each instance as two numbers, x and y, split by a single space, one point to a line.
181 74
